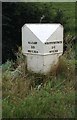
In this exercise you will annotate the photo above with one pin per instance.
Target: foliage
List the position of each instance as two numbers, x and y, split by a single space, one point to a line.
30 95
27 94
7 66
15 15
59 18
68 10
42 104
64 68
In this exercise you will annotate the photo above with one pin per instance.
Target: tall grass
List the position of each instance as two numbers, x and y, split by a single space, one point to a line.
30 95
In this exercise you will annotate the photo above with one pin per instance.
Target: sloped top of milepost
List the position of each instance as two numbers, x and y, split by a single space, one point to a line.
42 31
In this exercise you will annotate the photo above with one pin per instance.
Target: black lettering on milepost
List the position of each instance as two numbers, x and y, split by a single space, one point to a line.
32 42
32 51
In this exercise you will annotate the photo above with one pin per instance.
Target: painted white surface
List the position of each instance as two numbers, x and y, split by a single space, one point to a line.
43 31
42 48
42 61
35 63
28 36
56 36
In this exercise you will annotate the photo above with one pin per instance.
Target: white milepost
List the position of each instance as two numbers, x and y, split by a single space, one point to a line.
42 44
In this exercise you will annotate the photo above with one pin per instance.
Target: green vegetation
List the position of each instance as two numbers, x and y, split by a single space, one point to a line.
68 9
27 94
15 15
31 95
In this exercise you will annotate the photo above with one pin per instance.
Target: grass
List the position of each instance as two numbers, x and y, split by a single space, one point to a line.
55 99
30 95
42 104
58 102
